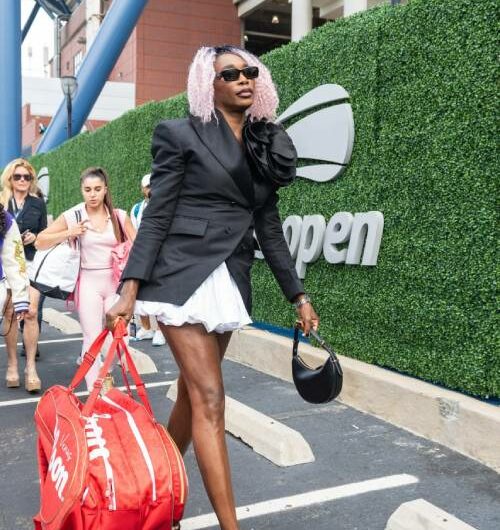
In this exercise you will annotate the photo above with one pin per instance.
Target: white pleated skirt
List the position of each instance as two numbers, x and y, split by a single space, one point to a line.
217 304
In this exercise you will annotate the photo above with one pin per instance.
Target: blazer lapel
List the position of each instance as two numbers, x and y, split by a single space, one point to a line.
221 142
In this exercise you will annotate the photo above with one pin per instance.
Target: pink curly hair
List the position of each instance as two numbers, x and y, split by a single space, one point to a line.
200 86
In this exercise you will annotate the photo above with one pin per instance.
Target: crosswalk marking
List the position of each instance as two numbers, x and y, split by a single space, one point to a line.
82 393
52 341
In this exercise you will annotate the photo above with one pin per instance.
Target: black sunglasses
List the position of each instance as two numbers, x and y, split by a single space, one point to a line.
233 74
18 176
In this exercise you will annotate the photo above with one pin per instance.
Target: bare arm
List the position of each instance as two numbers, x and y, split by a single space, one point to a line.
130 230
58 232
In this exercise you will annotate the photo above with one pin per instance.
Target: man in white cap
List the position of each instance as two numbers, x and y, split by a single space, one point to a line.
145 332
138 208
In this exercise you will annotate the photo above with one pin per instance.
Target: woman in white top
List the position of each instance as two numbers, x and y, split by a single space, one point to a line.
101 228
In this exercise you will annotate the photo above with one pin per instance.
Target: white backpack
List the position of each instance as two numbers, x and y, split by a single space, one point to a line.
55 271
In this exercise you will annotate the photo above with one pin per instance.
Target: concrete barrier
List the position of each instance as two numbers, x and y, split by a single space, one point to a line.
273 440
60 321
461 423
422 515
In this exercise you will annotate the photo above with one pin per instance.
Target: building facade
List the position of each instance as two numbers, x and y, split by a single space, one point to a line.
157 55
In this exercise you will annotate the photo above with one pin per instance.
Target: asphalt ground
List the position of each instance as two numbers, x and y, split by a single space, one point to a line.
350 447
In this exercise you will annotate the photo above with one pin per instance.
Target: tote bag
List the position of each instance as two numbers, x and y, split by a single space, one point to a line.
107 464
55 271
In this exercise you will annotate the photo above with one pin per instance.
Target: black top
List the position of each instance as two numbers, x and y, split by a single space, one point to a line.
205 205
32 216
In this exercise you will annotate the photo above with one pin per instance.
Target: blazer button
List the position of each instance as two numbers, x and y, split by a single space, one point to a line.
228 230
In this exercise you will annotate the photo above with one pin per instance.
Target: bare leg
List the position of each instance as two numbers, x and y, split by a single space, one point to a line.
145 324
10 332
179 423
198 355
31 333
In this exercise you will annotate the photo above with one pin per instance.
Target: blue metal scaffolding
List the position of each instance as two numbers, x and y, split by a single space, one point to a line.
10 80
95 69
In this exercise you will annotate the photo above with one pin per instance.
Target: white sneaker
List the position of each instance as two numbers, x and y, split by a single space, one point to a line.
143 334
158 339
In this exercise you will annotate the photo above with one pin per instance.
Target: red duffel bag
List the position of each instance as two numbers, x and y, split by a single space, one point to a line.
106 464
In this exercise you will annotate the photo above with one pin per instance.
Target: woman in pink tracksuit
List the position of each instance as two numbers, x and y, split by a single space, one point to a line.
100 229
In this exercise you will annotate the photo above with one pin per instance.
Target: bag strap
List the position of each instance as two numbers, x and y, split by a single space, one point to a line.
88 360
321 342
137 209
78 217
118 344
139 384
18 212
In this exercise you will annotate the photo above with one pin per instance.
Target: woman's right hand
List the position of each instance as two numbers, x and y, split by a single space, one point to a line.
124 307
78 229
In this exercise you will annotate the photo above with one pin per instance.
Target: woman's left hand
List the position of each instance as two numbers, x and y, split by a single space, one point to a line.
28 238
308 318
20 316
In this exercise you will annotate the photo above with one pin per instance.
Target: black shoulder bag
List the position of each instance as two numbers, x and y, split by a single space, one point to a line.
316 385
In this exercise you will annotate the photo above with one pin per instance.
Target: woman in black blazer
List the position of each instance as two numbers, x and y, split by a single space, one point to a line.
19 197
214 181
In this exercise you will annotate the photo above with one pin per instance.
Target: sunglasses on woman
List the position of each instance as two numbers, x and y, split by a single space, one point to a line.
19 176
233 74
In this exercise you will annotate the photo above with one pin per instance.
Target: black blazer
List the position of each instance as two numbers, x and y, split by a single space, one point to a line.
203 210
32 217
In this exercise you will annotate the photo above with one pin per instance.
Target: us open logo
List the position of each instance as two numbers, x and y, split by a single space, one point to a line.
326 137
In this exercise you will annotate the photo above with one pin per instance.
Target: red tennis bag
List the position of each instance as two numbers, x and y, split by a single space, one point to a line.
106 464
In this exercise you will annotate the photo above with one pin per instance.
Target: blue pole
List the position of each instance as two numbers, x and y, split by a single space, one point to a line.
10 81
95 69
30 21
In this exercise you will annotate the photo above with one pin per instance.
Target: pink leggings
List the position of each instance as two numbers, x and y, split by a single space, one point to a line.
97 293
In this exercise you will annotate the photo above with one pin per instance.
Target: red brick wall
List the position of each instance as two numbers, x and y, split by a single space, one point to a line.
72 31
168 34
30 127
125 67
31 131
69 51
158 53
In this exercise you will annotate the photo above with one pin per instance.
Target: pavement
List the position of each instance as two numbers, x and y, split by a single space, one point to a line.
364 468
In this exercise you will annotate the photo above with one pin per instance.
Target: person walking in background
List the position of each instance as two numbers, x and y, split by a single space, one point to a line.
139 207
146 331
190 263
100 230
19 197
14 284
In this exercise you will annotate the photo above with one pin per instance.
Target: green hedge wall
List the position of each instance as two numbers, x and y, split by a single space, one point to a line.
422 84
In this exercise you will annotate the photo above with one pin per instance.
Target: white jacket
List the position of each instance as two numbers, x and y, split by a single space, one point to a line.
14 268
